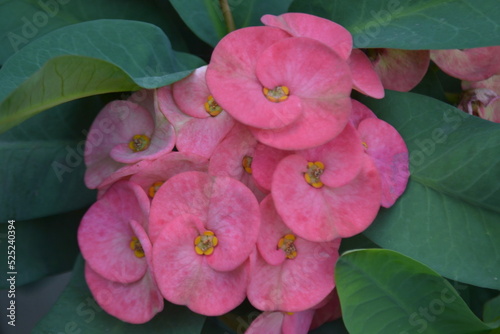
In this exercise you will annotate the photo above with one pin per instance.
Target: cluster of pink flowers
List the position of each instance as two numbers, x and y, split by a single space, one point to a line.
273 165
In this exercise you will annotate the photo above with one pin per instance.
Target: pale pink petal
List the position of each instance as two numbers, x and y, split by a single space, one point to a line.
298 322
389 153
364 78
267 323
135 303
304 25
104 234
401 70
185 278
474 64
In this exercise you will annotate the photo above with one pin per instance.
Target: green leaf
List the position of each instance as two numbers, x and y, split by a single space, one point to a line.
76 312
412 24
206 20
26 20
382 291
42 162
491 311
448 216
86 59
43 247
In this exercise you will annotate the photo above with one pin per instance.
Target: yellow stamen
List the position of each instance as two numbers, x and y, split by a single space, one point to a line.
247 164
288 313
287 245
365 145
313 174
154 188
205 243
136 246
278 94
139 143
212 108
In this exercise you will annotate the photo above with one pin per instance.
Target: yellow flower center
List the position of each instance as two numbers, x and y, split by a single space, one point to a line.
287 245
154 188
139 143
313 174
247 164
277 94
205 243
136 246
365 145
212 108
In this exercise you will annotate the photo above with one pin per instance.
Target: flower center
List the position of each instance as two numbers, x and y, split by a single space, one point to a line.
212 108
287 245
313 174
205 243
365 145
247 164
278 94
154 188
136 246
139 143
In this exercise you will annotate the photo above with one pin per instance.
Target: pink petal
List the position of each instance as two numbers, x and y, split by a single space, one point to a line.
342 157
191 93
298 323
227 159
326 213
359 113
231 79
185 278
401 70
365 79
304 25
267 323
105 233
264 163
389 153
328 311
135 303
474 64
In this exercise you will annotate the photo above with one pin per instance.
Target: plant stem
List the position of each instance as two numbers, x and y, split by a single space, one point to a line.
228 16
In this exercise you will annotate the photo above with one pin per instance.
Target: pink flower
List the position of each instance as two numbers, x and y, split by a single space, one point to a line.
482 98
203 230
399 70
124 133
364 77
234 157
286 264
200 123
294 91
328 192
264 164
113 241
474 64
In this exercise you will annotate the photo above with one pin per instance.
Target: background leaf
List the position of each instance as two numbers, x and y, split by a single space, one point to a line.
98 56
412 24
205 18
26 20
42 162
382 291
448 216
43 247
78 310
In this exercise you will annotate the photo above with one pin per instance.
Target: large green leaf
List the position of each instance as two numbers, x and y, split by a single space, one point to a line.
43 247
382 291
42 162
26 20
206 20
76 311
412 24
86 59
448 217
